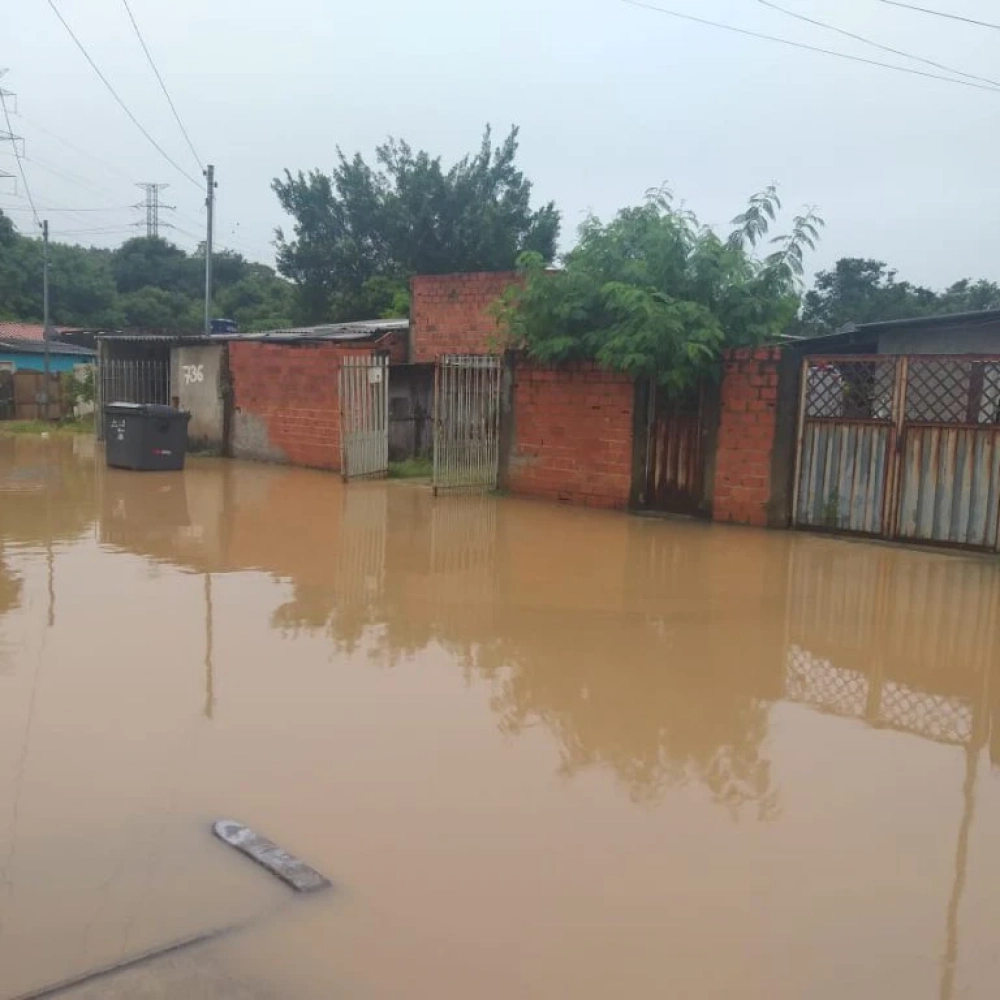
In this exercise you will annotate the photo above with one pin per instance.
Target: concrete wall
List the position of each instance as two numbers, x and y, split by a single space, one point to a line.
571 435
450 313
197 382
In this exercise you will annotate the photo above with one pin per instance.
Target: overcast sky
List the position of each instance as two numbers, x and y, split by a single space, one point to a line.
611 100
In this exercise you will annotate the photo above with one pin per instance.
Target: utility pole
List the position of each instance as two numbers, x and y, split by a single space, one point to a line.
153 207
210 206
46 331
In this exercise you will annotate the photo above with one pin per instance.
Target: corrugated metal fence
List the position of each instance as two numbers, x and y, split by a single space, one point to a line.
676 459
901 447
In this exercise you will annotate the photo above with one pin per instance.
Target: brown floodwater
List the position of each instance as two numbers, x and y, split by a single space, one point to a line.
542 752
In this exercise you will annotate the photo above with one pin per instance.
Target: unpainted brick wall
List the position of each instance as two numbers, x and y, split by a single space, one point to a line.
572 435
746 435
286 399
450 313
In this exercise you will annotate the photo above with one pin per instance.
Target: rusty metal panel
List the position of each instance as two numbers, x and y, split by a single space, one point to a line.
676 458
950 487
843 475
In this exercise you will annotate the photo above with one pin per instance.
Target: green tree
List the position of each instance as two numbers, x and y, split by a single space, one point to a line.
655 293
153 262
860 290
259 300
152 308
361 232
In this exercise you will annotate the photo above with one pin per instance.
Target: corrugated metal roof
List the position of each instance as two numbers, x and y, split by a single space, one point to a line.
21 345
360 330
357 330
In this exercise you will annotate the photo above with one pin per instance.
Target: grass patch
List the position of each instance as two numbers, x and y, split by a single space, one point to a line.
411 468
84 426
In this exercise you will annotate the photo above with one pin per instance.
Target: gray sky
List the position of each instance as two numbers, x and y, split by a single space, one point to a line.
611 100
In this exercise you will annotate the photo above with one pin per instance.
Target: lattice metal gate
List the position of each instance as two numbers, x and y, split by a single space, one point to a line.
364 417
467 422
126 380
901 447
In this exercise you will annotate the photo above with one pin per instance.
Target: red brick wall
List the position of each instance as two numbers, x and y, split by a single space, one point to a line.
450 313
746 435
286 400
572 437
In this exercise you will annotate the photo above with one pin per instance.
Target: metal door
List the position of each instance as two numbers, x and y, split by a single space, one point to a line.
467 422
846 457
950 452
675 468
364 417
128 380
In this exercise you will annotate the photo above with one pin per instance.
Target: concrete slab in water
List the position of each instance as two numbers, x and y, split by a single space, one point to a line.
288 868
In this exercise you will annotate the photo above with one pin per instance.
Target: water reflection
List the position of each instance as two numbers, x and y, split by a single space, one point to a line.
665 658
657 653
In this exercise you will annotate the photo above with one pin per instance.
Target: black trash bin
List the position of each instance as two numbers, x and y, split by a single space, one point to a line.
145 437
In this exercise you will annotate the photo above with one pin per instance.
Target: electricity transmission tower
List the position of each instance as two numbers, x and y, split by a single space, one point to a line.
6 99
153 207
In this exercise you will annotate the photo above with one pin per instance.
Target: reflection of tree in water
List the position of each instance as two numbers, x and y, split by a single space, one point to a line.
643 695
621 697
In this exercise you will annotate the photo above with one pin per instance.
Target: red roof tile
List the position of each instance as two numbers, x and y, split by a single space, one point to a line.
23 331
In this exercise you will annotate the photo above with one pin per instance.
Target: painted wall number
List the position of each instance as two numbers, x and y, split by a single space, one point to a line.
193 374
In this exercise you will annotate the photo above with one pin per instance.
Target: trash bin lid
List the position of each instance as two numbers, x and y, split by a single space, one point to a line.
146 410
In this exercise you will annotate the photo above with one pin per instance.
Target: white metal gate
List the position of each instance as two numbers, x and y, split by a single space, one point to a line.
467 422
364 417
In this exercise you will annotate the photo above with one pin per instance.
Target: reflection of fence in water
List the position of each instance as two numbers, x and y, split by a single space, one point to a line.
931 621
901 640
817 682
463 555
361 546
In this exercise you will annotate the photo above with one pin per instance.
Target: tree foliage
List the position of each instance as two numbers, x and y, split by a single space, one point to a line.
864 291
362 231
146 283
655 293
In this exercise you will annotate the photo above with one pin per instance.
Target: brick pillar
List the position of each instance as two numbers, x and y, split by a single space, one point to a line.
747 429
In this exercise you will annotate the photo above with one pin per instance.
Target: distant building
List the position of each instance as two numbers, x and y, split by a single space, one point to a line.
24 354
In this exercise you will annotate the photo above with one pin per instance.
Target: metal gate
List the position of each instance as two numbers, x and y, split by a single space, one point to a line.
467 422
901 447
125 380
675 468
364 417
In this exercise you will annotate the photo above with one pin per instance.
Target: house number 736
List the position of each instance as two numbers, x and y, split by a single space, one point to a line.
193 373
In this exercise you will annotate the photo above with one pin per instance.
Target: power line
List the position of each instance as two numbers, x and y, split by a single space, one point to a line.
878 45
107 164
163 86
118 208
808 48
135 121
17 156
942 13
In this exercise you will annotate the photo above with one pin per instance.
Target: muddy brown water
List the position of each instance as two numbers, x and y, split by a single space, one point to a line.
542 752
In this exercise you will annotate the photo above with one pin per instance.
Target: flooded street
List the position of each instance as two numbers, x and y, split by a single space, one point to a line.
541 752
